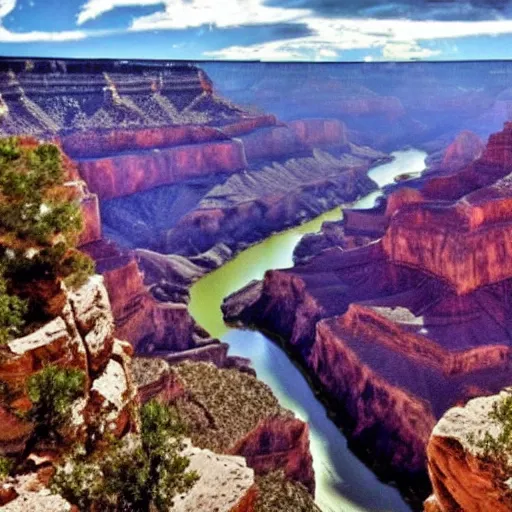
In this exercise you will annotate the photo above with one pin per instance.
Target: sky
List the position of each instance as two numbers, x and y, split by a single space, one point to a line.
268 30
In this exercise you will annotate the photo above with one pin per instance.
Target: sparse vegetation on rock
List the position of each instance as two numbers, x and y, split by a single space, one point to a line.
135 474
39 225
277 494
497 445
221 393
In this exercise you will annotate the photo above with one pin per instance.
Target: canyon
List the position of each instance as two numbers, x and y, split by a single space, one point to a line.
410 298
175 180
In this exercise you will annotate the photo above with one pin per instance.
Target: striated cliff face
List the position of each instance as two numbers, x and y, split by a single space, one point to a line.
462 477
127 174
464 242
399 297
51 97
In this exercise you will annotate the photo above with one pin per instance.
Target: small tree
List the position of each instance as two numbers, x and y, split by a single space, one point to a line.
12 312
52 392
40 221
132 477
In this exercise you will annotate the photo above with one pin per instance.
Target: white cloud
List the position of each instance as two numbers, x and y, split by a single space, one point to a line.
407 51
180 14
6 7
94 8
397 39
7 36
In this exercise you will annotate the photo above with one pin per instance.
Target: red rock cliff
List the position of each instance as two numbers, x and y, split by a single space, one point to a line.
463 479
127 174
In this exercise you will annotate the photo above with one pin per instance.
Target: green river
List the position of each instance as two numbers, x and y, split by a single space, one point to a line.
343 482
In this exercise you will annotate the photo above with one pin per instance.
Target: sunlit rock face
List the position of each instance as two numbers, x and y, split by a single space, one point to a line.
462 478
82 337
398 327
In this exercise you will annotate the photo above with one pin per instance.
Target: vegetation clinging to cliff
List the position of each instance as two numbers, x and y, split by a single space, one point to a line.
40 221
498 446
277 494
135 474
52 392
213 396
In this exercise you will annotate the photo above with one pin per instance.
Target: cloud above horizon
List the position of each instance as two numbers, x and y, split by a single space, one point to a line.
303 29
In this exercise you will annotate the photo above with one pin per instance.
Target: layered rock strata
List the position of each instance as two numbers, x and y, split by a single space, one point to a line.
411 300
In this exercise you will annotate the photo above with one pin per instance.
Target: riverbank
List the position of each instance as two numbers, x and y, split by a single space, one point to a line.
343 482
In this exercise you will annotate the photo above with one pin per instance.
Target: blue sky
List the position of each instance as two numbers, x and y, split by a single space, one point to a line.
318 30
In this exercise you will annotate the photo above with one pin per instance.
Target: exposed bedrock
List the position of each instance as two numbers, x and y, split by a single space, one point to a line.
82 337
408 346
464 149
126 174
233 413
151 311
59 97
462 476
457 226
121 162
241 209
225 216
467 242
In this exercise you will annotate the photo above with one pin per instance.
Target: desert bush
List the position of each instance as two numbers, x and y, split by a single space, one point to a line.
52 392
277 494
134 474
498 447
6 466
12 313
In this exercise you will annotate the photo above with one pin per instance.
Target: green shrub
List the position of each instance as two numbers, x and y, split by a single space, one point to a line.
133 475
6 466
499 447
12 312
39 226
52 391
9 150
76 268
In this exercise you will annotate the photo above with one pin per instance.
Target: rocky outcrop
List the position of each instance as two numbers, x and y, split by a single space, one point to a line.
277 443
462 477
225 484
82 338
466 242
463 150
247 422
33 496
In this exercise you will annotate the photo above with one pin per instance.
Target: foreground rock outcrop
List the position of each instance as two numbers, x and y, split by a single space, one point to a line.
462 476
81 338
233 413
